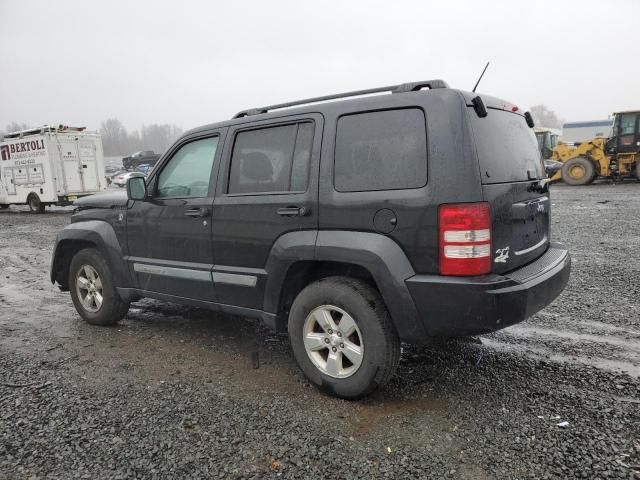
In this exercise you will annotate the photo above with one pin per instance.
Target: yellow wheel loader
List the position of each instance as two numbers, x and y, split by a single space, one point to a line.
617 157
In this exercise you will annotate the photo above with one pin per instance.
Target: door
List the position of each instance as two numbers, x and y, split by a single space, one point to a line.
9 181
88 167
267 188
626 131
169 234
69 154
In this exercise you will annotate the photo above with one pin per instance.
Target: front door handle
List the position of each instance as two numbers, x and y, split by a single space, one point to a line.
197 212
293 211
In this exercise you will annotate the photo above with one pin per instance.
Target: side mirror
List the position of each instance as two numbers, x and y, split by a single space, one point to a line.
136 188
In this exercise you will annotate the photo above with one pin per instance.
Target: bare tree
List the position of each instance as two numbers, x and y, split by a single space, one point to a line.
114 137
116 140
14 127
159 137
545 117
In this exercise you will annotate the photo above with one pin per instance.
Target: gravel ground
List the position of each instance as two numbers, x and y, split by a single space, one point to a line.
172 393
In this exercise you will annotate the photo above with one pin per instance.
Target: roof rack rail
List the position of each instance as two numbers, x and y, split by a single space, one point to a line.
402 88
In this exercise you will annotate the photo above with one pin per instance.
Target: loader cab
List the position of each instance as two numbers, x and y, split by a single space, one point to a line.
547 140
626 133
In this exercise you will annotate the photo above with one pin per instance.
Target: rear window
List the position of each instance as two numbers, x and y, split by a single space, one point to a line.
506 146
385 150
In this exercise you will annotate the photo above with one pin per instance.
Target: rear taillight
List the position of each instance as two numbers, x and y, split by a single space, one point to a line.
465 238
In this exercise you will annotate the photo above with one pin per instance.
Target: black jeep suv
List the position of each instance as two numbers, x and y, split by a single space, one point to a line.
354 224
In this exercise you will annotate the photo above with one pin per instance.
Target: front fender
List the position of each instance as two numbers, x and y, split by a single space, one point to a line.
96 233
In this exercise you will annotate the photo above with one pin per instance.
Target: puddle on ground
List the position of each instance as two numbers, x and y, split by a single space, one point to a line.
372 414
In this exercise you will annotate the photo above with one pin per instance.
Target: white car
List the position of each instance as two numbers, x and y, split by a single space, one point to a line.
121 178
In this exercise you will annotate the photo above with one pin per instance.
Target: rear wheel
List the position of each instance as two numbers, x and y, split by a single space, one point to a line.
342 337
578 171
35 205
637 170
92 289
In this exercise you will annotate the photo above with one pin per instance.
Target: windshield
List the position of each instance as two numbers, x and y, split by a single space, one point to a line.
507 148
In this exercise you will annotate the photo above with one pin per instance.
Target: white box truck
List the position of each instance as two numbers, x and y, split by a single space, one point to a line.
50 166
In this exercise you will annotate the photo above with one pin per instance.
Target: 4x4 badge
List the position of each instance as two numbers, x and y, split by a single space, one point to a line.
502 254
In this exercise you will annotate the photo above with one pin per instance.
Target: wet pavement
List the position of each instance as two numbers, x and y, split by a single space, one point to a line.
173 391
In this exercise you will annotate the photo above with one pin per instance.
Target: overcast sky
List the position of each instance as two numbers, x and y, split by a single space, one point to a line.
190 63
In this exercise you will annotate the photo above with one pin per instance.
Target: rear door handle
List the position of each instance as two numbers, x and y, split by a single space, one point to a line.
197 212
293 211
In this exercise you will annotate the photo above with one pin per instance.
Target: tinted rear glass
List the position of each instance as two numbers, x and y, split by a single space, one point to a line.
385 150
506 147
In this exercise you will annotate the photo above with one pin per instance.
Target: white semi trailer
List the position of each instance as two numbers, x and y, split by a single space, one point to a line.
50 166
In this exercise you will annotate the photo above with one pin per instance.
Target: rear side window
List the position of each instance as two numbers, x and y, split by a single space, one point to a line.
506 146
385 150
271 160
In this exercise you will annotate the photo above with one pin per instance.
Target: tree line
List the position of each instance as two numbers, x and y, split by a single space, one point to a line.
118 141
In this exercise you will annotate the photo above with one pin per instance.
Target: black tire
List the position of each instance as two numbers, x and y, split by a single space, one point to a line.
112 308
579 171
381 346
637 170
35 205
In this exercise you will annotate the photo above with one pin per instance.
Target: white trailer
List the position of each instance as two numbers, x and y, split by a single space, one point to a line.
50 166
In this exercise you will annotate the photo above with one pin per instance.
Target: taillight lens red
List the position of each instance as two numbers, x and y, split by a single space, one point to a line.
465 238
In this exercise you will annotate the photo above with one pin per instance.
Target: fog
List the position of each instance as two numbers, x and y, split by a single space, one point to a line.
189 63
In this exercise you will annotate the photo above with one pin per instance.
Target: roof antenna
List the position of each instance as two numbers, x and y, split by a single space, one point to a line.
481 75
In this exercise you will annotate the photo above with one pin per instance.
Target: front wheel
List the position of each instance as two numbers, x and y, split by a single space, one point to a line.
343 338
92 290
579 171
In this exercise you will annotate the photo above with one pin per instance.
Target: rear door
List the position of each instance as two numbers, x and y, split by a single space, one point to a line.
267 188
71 168
88 165
510 166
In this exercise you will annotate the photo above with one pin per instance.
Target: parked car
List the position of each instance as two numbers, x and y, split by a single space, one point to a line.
551 167
120 179
144 168
138 158
353 225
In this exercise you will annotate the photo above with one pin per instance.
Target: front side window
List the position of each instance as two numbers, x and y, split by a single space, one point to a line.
627 124
384 150
188 172
271 159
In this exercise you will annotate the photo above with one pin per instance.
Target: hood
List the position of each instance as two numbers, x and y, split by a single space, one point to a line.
102 200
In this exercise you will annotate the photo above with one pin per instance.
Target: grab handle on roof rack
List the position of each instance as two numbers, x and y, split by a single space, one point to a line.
415 86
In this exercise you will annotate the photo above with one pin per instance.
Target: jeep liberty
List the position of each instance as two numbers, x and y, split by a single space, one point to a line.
352 221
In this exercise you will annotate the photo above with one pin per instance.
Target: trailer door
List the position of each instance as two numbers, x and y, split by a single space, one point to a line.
71 168
8 181
88 166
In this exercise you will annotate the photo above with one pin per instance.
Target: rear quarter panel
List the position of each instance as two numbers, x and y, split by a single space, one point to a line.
452 176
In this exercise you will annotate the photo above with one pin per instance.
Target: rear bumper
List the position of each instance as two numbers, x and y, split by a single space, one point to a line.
460 306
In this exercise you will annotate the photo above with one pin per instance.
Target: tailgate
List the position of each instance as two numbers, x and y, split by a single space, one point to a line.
510 166
520 224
